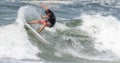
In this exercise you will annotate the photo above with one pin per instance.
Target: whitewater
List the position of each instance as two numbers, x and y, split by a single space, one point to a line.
15 42
85 32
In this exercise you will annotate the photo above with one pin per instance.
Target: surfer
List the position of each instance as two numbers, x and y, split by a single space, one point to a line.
47 21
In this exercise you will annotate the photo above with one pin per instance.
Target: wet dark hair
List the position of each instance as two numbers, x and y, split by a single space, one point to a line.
48 11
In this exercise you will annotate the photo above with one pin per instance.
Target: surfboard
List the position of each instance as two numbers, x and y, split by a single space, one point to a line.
43 40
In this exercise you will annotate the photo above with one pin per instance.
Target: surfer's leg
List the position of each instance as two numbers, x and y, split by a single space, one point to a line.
34 22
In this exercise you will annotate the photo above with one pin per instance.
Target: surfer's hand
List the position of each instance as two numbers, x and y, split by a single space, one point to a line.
42 4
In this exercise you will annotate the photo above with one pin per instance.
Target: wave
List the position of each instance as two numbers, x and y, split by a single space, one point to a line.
94 37
105 3
56 2
14 42
91 38
97 1
38 1
105 31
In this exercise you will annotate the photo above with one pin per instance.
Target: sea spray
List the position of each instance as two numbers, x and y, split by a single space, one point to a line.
100 40
14 42
27 13
105 30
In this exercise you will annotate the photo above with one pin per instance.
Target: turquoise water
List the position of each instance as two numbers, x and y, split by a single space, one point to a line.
85 32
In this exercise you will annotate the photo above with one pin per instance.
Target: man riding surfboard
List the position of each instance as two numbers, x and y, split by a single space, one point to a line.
47 20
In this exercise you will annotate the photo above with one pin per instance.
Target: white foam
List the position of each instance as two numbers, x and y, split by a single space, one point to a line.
27 12
58 26
14 41
105 30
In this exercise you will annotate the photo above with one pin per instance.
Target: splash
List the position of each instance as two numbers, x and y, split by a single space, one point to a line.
14 42
100 41
105 30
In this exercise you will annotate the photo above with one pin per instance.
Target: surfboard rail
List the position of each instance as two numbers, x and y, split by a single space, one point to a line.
43 40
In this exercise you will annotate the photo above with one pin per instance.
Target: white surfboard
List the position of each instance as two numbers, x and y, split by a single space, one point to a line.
43 40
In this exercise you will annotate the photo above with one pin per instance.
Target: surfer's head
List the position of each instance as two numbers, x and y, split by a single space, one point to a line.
48 11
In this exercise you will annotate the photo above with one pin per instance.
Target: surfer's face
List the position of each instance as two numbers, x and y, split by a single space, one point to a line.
48 14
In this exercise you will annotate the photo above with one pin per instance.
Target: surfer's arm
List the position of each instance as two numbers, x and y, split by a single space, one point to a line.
41 28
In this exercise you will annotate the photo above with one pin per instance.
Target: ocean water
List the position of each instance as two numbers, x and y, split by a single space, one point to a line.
86 31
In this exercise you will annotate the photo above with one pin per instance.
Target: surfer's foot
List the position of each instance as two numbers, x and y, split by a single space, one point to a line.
29 23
